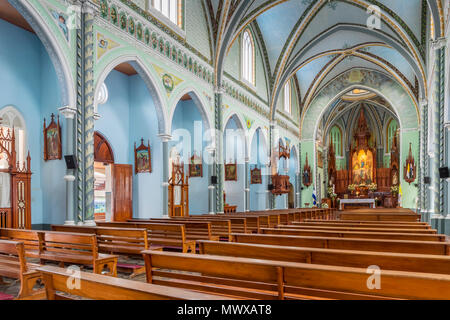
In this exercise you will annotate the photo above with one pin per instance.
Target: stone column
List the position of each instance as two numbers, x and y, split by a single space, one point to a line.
211 188
165 138
219 163
273 166
247 184
69 114
297 190
437 194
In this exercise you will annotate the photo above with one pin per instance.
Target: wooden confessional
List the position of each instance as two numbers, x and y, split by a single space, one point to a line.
178 192
16 186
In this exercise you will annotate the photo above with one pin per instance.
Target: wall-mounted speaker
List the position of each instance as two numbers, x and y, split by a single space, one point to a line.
270 187
426 180
71 162
444 173
213 179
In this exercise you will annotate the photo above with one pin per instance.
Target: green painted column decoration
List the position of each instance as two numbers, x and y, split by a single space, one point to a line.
89 10
273 164
423 160
85 113
219 167
165 138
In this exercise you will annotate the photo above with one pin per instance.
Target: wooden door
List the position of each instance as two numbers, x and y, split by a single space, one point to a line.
122 192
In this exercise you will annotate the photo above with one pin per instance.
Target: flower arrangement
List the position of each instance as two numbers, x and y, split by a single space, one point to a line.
394 189
325 205
352 187
331 193
373 187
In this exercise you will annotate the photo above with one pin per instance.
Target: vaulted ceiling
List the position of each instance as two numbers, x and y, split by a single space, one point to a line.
317 40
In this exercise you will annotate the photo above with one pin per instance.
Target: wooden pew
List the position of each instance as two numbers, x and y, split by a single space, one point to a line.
13 265
402 223
356 234
63 248
379 216
219 228
365 225
381 245
75 248
346 258
357 228
29 238
121 241
237 224
92 286
287 280
168 235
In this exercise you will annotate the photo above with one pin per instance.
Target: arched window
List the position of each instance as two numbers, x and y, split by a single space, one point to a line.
390 134
248 58
172 9
336 140
287 97
10 118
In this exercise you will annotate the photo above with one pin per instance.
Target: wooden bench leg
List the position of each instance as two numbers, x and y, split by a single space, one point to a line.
28 282
99 267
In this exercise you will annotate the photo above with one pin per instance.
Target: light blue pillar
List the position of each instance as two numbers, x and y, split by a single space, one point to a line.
247 184
165 138
69 114
219 163
211 188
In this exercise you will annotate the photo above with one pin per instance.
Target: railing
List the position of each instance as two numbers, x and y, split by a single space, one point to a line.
5 218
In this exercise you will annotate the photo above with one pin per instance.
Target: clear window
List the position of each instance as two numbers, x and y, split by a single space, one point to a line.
287 97
248 58
170 8
336 140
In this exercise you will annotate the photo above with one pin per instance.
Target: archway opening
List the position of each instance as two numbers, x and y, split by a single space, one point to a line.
189 140
32 87
234 158
128 119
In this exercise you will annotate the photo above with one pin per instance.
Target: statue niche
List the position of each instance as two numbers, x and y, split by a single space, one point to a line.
363 157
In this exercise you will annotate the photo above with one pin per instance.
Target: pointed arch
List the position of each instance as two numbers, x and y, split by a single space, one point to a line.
140 67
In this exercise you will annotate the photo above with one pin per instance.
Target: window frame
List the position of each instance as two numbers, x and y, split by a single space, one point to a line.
287 87
244 61
178 27
388 142
339 153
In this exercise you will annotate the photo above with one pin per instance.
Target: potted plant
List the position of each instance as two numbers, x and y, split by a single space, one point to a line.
394 190
351 188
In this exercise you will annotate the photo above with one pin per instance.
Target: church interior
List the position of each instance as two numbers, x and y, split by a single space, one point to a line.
224 149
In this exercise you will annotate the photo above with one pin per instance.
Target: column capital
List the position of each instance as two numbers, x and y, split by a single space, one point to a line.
219 90
97 116
423 102
90 6
210 149
439 43
165 137
68 112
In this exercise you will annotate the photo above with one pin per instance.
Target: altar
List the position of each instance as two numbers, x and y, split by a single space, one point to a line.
370 202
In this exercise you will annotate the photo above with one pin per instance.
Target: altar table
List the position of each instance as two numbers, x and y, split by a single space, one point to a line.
370 202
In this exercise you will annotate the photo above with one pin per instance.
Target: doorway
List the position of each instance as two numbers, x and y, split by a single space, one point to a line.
113 193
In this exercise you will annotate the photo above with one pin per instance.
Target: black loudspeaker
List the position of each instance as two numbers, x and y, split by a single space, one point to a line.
213 179
444 173
71 162
427 180
270 187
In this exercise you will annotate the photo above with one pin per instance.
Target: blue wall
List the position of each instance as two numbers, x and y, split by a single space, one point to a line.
29 83
258 156
127 116
187 123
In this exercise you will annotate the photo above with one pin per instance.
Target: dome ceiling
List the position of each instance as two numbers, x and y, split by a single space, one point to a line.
320 39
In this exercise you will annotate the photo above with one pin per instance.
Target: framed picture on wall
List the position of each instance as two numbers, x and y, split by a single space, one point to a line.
320 159
255 176
196 167
52 140
231 172
142 158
